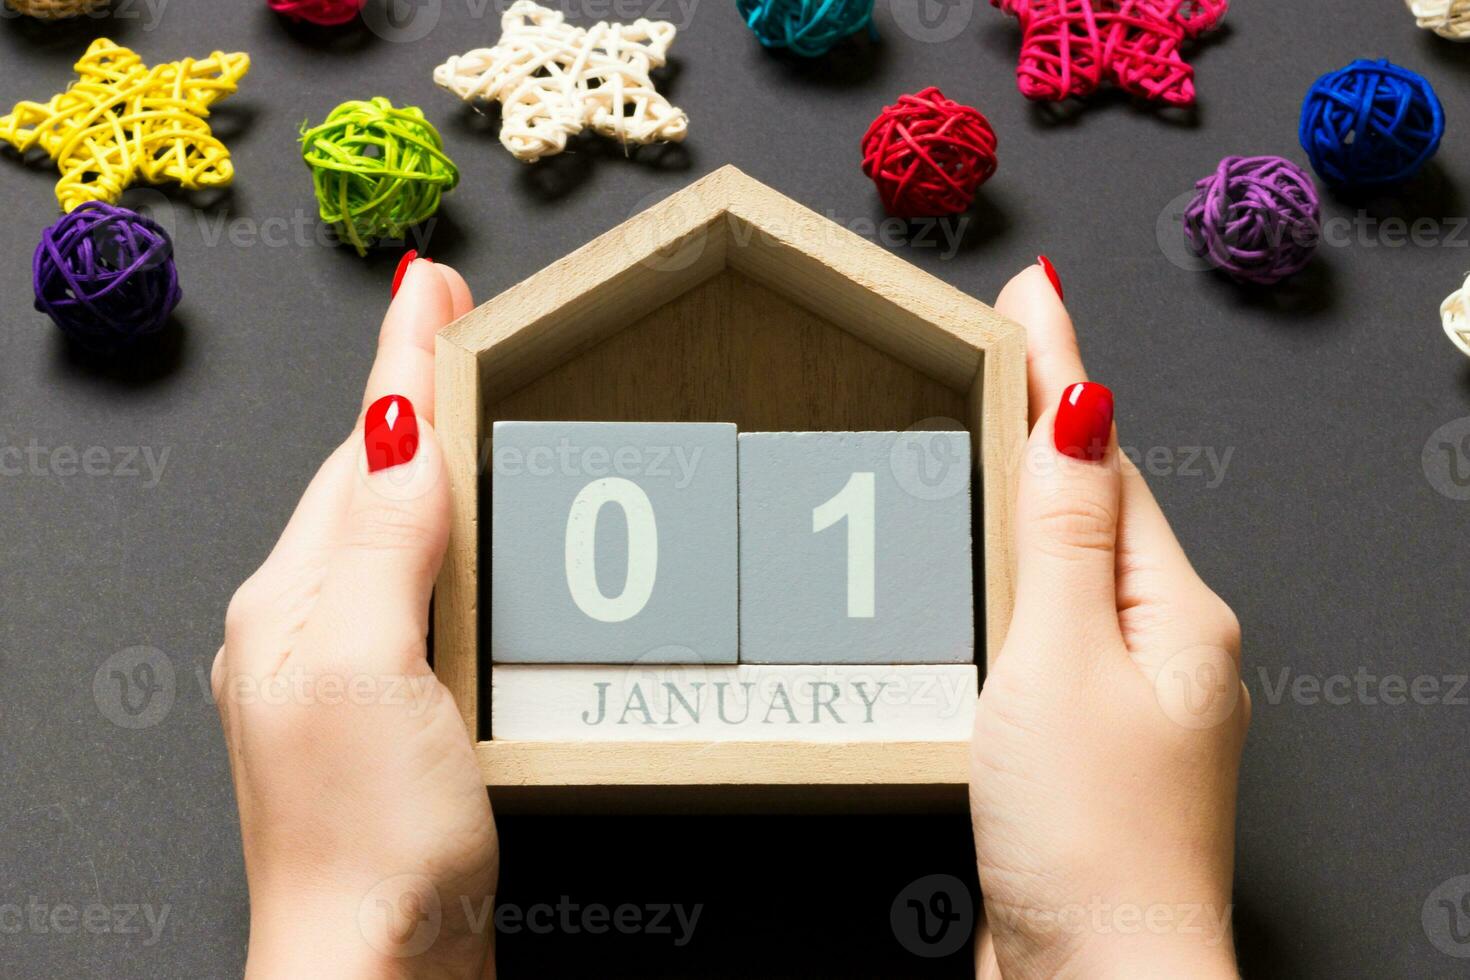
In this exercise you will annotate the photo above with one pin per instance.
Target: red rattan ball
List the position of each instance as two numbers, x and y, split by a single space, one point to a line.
327 13
928 155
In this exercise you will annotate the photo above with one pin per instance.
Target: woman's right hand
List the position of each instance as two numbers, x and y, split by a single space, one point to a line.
370 850
1108 736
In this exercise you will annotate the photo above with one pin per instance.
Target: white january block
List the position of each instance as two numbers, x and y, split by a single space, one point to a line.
739 703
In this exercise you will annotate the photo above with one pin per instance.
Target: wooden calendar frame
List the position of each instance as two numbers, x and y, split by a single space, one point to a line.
739 305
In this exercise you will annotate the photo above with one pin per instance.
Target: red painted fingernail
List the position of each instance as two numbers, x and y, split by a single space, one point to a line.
1051 273
1084 424
391 432
402 270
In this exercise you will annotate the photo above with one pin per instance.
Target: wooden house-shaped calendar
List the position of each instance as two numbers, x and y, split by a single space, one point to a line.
725 302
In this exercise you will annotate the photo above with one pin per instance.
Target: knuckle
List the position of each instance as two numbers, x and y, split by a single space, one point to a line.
388 528
1073 522
1226 624
245 606
217 675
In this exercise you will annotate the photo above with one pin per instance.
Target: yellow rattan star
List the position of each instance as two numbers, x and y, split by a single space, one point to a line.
122 121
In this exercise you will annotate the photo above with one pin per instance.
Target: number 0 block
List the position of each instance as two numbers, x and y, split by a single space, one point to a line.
855 548
613 543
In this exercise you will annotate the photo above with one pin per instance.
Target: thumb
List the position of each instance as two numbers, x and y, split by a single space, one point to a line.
390 541
1067 516
393 535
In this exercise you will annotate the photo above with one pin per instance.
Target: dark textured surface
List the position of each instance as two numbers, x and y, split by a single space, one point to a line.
1325 534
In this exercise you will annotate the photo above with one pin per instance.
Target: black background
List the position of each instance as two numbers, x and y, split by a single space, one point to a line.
1326 534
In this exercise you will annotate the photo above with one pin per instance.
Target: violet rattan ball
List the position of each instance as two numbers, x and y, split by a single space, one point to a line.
106 276
1258 219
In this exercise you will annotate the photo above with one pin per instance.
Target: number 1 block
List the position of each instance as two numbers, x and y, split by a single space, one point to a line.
613 543
855 548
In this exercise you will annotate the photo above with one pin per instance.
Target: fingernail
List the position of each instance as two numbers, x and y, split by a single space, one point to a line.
1051 273
1084 424
402 269
391 432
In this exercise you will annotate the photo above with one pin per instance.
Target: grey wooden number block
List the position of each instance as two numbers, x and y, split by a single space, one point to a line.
613 543
855 548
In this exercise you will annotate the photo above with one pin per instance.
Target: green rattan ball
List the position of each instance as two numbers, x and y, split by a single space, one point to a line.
377 170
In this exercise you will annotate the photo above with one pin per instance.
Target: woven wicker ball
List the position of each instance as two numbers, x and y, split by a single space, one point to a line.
1454 314
809 28
1447 18
106 276
1372 124
323 13
1258 219
55 9
377 169
928 155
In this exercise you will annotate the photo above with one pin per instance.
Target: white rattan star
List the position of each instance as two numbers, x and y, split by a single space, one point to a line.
1447 18
1455 314
553 80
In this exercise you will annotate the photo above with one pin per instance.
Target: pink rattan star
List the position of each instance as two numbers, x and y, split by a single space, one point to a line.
1070 47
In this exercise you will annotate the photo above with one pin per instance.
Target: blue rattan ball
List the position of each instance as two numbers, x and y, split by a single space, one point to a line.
1370 124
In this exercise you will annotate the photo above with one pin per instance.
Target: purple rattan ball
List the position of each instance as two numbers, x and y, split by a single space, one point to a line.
106 276
1256 218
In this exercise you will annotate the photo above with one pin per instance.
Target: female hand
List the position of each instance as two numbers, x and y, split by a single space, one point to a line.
1109 731
369 846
